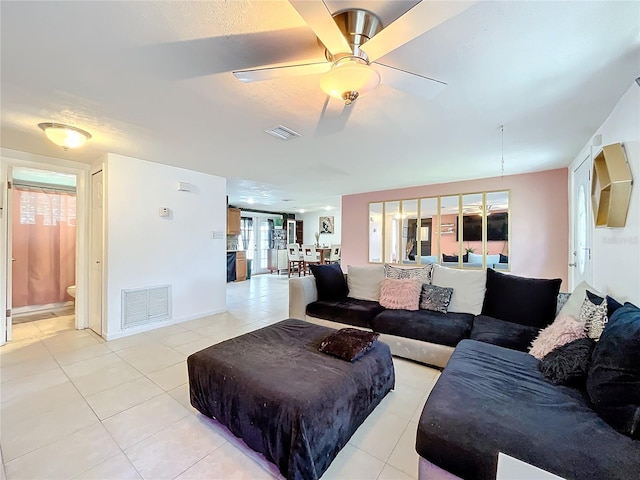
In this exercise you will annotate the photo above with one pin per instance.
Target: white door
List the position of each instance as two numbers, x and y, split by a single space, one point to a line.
9 212
581 213
95 274
261 252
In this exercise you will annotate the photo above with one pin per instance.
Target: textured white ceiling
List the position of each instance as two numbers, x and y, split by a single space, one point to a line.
152 80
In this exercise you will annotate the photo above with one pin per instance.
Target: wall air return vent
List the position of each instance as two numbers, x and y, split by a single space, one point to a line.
282 132
146 305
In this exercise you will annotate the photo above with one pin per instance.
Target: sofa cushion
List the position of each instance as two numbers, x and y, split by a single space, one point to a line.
569 363
330 281
573 305
491 399
364 282
349 310
499 332
468 288
434 327
593 314
435 298
613 381
527 301
348 343
401 293
563 330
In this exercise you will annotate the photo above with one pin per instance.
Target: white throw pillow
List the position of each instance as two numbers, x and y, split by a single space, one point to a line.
468 288
365 282
574 304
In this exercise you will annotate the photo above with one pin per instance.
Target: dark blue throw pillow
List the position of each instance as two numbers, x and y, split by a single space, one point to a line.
613 381
330 282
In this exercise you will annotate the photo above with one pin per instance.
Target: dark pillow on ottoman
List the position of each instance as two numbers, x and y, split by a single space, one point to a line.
330 282
449 258
613 382
527 301
569 363
348 343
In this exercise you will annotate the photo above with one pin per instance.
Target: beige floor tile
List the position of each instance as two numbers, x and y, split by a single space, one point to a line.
182 395
57 324
193 347
174 449
100 373
404 456
392 473
164 332
128 342
67 357
180 338
65 457
69 340
137 423
150 358
48 398
353 464
379 434
171 377
27 368
23 388
117 399
23 436
230 462
115 468
16 352
23 331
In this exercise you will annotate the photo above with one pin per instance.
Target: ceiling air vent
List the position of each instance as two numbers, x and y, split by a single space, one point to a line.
282 132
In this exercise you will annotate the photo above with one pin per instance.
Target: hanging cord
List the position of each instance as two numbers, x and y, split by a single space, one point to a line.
502 158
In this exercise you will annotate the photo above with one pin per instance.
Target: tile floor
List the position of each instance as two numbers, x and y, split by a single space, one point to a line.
75 406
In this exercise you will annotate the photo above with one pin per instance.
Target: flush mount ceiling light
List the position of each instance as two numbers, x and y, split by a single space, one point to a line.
64 136
349 78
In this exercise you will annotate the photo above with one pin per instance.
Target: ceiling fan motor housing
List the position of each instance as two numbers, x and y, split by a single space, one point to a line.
357 26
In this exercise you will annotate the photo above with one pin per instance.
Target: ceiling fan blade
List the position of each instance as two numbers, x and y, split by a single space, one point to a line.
334 117
319 19
409 82
269 73
420 19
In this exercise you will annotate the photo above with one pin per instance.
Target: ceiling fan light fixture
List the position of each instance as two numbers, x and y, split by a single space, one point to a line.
64 136
349 78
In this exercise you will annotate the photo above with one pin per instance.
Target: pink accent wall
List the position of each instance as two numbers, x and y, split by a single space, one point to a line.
539 220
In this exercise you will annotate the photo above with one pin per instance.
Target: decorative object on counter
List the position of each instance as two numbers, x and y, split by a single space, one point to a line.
317 235
326 224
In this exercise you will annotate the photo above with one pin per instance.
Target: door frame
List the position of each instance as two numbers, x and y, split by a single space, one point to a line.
586 156
14 158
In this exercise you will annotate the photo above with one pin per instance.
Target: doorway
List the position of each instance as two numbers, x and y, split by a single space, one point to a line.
581 231
62 212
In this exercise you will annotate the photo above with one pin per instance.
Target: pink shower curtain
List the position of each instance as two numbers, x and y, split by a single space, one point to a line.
43 246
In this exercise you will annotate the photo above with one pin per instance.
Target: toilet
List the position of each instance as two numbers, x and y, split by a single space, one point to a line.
71 290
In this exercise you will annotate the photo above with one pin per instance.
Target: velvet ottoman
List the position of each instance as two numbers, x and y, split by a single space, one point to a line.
284 398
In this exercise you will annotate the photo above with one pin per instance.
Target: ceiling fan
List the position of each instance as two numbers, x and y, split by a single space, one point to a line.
354 39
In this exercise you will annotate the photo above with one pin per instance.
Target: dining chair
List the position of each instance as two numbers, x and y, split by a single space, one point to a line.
296 261
334 254
311 256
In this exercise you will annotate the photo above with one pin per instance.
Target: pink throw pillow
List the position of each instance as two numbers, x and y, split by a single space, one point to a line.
401 293
563 330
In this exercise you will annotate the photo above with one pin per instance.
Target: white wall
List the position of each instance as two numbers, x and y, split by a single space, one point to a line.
311 225
616 251
143 249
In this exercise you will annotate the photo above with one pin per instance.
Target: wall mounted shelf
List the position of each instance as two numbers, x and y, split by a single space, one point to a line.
611 187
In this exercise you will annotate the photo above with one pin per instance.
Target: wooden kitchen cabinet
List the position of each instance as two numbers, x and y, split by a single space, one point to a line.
241 266
233 221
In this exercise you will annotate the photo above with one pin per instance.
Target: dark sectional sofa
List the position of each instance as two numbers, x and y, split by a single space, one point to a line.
491 397
425 336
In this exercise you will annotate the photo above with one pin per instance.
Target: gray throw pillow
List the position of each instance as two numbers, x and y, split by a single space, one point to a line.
421 273
594 317
435 298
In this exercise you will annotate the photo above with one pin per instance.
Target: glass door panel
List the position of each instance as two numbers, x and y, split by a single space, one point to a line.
392 232
408 242
498 230
428 241
375 232
472 231
448 231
